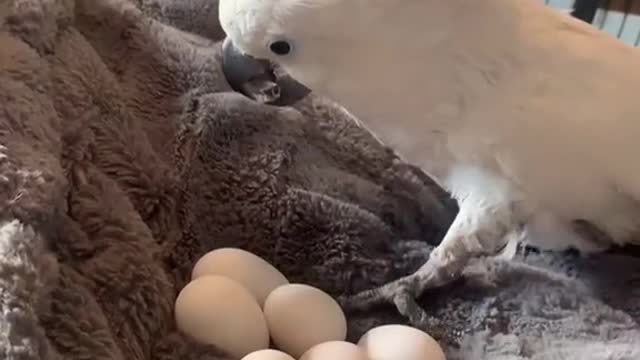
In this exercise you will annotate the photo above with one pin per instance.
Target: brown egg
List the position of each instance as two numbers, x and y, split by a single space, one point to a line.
301 316
267 354
393 342
335 350
253 272
220 311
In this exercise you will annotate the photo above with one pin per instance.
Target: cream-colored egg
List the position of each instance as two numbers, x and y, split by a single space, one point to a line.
335 350
220 311
301 316
250 270
268 354
393 342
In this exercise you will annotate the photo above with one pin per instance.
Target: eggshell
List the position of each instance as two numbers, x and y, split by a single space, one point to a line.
301 316
267 354
393 342
256 274
220 311
335 350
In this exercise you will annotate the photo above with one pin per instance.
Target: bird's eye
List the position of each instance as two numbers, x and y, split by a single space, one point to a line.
280 47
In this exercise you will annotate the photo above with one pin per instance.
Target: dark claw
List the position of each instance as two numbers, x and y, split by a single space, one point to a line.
408 307
419 318
403 293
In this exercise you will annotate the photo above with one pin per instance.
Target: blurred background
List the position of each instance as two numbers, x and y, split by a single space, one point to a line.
620 18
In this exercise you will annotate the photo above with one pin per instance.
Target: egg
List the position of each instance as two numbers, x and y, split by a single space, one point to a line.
393 342
219 311
301 316
256 274
335 350
267 354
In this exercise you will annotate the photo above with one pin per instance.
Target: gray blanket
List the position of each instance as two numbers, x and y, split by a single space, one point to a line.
123 158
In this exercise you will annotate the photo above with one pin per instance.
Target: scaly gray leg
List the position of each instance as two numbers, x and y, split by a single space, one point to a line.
476 231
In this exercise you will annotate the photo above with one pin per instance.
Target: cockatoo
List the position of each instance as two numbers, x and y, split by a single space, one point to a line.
528 117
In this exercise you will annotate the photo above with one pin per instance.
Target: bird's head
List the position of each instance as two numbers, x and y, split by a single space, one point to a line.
288 47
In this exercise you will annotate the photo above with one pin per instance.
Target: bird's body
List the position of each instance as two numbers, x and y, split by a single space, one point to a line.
541 102
528 117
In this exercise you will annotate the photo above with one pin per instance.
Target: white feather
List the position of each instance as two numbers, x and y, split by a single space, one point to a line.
525 114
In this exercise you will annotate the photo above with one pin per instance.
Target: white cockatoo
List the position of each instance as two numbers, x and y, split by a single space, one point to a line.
528 117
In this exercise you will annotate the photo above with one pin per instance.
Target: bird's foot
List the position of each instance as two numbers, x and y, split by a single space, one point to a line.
403 293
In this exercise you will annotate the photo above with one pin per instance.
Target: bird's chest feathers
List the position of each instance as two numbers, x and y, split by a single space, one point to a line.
494 146
438 136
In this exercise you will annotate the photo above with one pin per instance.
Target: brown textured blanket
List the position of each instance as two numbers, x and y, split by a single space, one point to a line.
123 158
122 161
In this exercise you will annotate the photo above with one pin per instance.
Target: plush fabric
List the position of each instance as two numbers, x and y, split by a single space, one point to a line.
124 157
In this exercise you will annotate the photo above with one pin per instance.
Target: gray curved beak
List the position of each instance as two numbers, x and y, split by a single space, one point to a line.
259 79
